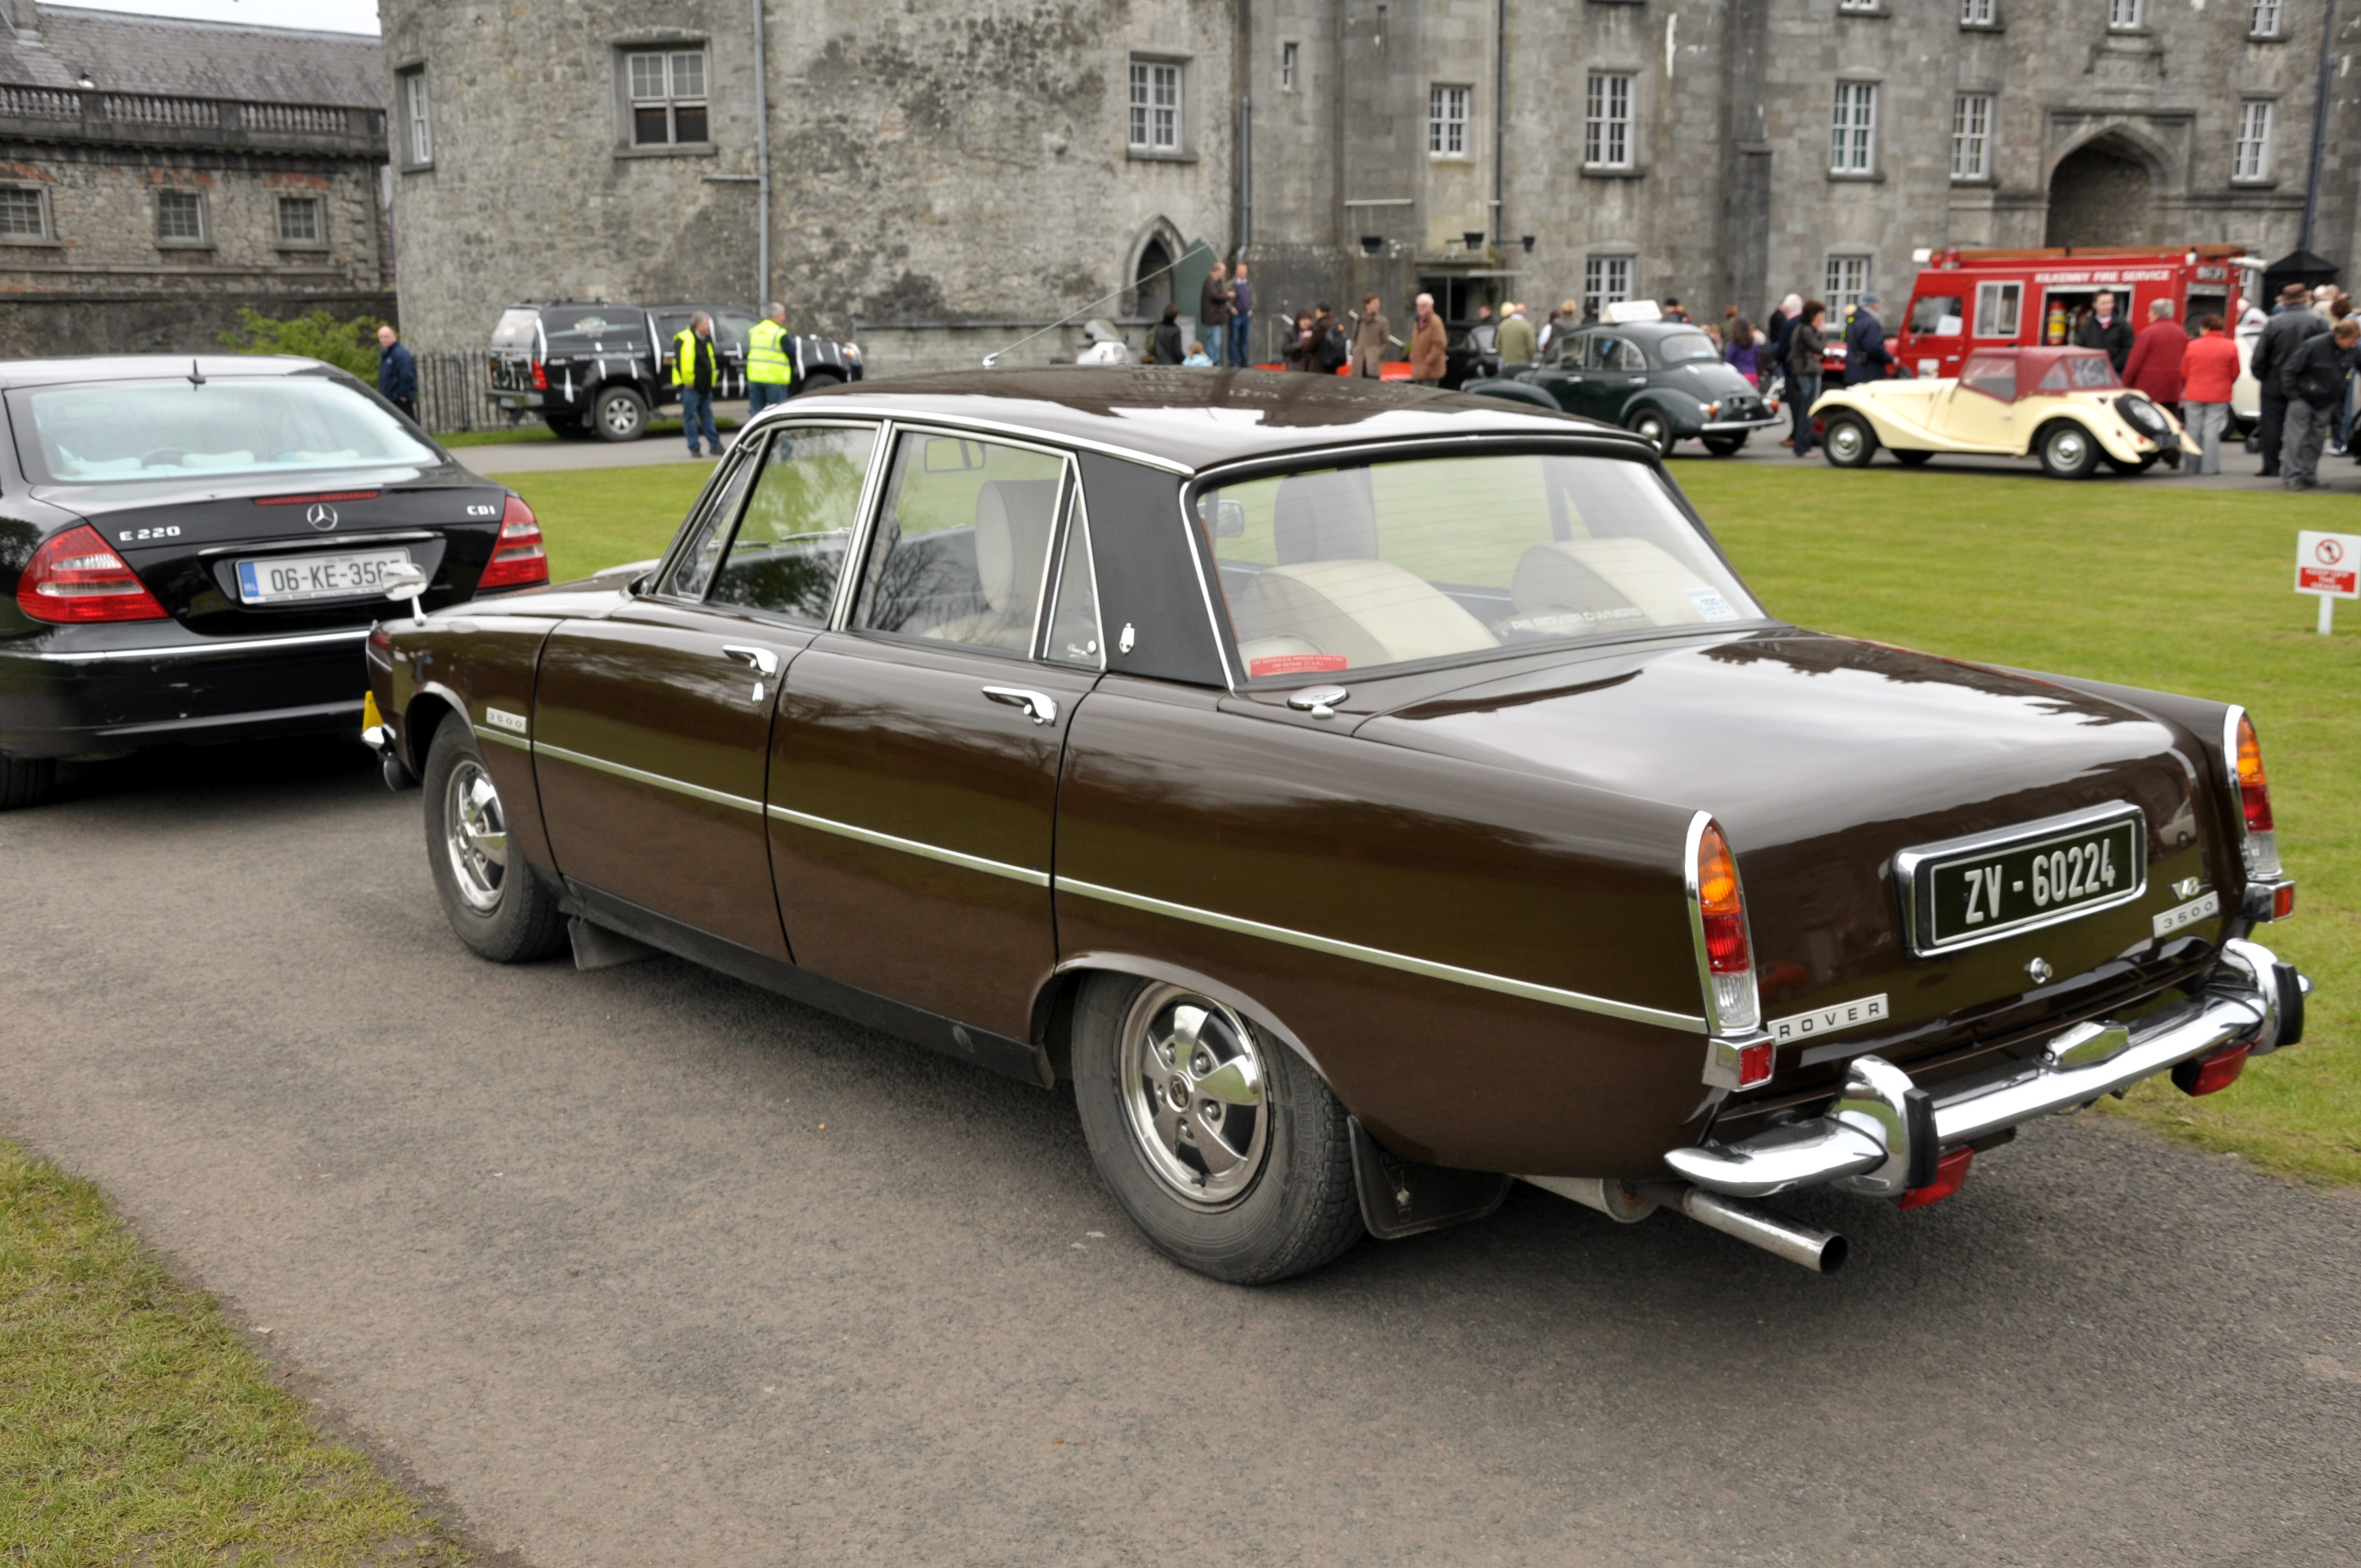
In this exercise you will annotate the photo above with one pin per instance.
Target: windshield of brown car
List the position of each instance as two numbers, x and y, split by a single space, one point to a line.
1357 568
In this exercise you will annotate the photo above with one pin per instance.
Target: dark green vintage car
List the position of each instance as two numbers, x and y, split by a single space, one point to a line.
1665 380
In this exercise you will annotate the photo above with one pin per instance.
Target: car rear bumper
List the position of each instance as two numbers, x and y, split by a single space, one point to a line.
1883 1135
112 694
1736 426
515 399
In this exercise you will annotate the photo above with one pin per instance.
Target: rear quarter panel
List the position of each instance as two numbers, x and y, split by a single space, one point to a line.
1177 796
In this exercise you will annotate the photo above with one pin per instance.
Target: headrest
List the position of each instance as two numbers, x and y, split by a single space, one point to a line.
1324 517
1012 540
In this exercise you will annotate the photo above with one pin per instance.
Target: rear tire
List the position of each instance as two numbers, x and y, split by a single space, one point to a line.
619 413
1221 1143
2068 451
26 781
492 898
1849 442
567 428
1910 459
1653 427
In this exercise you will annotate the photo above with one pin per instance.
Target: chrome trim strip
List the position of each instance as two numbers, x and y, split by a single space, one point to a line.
1404 962
242 644
640 776
911 846
954 424
1720 427
518 741
2024 835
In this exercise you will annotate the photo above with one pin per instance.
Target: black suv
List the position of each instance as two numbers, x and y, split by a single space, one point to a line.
600 370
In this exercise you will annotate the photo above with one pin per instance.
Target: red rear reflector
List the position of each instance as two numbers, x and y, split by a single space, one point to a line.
2210 1075
1754 1065
2283 901
2254 786
1950 1175
75 579
322 496
519 557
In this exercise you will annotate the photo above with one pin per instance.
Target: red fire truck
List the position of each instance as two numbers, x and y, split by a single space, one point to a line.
1990 298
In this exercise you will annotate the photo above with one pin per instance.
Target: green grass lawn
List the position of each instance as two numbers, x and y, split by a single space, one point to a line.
2132 580
136 1428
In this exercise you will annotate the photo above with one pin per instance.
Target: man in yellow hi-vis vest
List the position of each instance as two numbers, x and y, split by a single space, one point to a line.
695 369
770 372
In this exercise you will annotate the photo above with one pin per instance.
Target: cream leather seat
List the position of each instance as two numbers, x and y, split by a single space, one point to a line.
1012 546
1635 574
1372 612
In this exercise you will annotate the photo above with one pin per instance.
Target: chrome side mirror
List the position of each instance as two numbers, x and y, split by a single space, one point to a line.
407 581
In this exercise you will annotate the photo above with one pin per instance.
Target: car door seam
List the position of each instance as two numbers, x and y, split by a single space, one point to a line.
1579 1001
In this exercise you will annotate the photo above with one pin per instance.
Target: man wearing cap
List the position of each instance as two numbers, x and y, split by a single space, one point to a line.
1866 357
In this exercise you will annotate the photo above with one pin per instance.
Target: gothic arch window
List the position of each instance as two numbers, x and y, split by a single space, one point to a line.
1148 276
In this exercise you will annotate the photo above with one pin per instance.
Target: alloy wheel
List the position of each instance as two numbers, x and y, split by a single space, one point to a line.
1194 1095
474 835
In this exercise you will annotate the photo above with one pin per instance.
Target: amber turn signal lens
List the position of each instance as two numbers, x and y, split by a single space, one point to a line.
1719 901
2254 786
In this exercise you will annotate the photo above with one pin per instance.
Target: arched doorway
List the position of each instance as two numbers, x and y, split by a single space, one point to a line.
1151 271
2102 193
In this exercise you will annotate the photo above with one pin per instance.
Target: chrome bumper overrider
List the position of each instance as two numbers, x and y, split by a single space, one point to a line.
1882 1134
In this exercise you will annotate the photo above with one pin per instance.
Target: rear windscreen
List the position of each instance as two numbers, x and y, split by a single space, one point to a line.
516 330
593 329
220 428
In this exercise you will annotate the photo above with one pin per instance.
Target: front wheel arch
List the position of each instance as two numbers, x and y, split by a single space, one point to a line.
427 713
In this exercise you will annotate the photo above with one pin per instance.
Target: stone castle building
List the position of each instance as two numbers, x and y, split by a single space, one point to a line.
157 174
946 175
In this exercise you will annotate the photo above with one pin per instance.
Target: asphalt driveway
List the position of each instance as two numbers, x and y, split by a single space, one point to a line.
645 1267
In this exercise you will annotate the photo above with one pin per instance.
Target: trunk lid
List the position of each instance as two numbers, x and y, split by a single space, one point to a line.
1824 758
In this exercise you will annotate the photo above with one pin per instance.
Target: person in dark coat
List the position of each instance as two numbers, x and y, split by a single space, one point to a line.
2105 328
1804 346
1164 344
2282 334
2313 381
1213 304
1866 357
397 372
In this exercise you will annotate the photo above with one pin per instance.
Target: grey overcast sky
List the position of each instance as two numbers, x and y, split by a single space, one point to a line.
327 15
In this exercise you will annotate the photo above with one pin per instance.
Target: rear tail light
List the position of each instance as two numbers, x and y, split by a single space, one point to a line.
1724 948
518 558
75 578
2261 837
540 378
1950 1175
2210 1075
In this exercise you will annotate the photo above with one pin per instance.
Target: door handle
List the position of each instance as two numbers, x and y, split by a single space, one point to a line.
1039 706
764 661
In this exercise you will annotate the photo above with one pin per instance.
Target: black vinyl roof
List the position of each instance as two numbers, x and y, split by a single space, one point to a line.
1194 418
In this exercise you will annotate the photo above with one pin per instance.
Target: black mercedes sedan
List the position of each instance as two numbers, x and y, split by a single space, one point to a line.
193 549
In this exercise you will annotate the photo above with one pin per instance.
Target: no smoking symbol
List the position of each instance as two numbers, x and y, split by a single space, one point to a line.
2329 551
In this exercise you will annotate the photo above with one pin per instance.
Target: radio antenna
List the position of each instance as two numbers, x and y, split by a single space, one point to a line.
992 359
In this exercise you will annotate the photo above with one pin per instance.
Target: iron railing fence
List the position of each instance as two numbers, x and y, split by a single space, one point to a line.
452 395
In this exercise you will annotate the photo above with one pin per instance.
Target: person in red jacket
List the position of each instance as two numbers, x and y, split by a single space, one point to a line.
2209 367
2153 367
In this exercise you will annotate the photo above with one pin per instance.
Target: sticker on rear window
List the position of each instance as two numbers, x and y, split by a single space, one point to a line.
1296 664
1712 605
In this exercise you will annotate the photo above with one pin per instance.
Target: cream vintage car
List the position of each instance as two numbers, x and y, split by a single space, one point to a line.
2065 405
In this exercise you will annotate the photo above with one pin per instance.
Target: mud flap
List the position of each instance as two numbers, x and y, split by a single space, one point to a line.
1404 1198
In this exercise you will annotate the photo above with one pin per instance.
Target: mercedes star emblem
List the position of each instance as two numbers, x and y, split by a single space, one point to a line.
321 515
2039 971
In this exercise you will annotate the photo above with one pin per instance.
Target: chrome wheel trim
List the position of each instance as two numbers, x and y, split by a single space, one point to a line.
1845 442
1195 1095
2069 448
475 835
1649 428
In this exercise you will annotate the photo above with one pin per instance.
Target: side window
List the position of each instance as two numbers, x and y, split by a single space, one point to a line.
798 521
1935 315
707 531
962 543
1074 612
1997 307
730 327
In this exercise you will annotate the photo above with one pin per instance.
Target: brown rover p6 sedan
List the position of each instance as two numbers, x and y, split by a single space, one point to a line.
1363 795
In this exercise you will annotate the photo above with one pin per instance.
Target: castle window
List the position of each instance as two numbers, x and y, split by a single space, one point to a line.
1848 281
1971 118
1979 12
1446 121
1607 120
417 117
179 217
1155 106
1852 148
2263 20
1287 56
669 102
1606 281
2126 16
2250 156
24 213
300 226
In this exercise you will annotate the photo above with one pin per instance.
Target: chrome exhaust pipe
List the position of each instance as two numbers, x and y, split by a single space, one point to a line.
1822 1252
